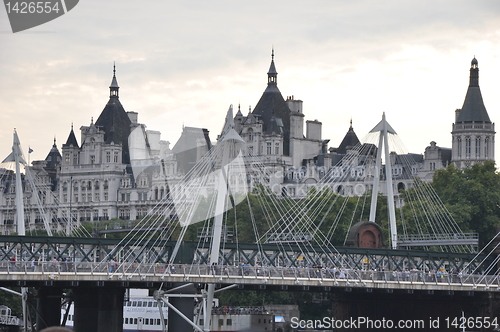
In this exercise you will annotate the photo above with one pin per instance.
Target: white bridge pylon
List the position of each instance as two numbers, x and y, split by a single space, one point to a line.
384 128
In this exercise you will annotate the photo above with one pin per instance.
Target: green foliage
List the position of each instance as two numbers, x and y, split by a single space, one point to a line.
472 196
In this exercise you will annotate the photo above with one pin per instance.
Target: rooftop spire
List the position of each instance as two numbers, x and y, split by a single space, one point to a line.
473 109
113 88
474 73
272 74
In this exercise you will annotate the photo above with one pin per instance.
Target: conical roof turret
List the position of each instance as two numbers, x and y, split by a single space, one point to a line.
272 108
473 109
114 121
71 141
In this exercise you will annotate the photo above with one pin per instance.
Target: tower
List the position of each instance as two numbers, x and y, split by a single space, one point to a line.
473 134
115 122
274 113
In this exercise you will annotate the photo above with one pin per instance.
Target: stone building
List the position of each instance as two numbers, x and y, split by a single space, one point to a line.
120 169
473 133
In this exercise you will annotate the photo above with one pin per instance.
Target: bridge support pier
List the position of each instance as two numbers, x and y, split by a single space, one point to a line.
98 309
86 309
185 305
110 317
48 307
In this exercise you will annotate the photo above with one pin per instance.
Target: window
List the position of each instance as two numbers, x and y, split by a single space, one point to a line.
276 148
486 147
467 146
229 322
269 148
108 156
106 196
221 322
66 158
92 159
115 158
250 135
459 147
478 147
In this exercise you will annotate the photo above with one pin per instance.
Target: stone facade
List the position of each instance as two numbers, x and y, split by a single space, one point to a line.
122 170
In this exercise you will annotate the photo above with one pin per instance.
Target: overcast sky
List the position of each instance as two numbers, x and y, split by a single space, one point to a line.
184 62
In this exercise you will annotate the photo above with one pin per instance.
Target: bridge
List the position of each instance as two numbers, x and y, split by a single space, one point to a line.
81 265
97 271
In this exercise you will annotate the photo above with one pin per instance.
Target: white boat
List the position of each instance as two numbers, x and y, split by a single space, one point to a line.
140 313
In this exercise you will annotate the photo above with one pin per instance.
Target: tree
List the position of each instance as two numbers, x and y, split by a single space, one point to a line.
472 196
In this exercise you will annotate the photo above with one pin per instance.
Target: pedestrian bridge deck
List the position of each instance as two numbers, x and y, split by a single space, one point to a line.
24 274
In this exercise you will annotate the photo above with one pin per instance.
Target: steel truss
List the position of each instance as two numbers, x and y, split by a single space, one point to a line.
25 248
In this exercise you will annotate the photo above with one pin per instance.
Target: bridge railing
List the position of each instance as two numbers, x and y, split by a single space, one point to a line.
247 271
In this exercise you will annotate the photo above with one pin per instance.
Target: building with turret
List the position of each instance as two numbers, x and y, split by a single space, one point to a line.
473 133
274 130
120 169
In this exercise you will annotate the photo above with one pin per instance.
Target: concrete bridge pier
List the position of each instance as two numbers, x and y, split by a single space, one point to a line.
98 309
185 305
86 302
110 316
48 307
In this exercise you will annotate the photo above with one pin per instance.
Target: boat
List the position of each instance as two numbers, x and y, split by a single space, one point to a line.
140 313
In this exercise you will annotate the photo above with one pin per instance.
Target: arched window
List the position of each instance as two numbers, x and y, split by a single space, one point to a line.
478 147
459 147
486 146
467 146
250 134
